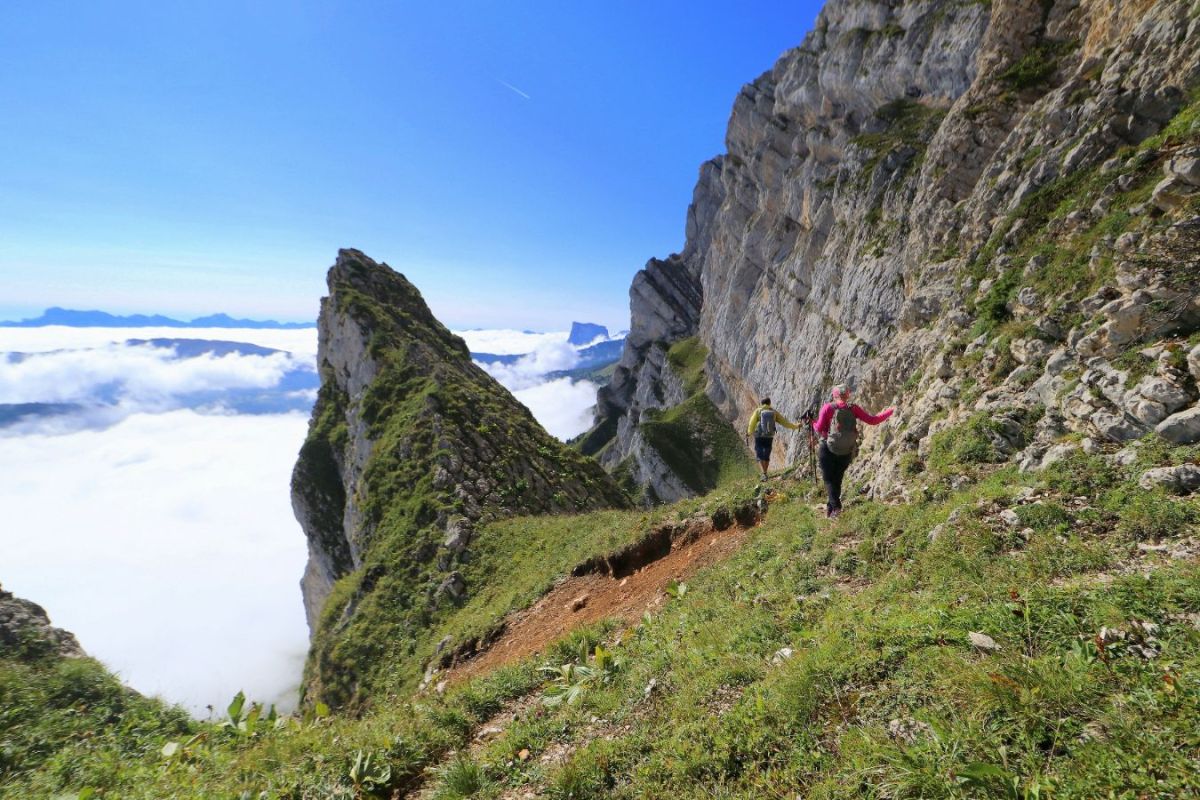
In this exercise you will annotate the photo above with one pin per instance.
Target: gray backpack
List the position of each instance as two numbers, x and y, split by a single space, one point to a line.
766 424
843 432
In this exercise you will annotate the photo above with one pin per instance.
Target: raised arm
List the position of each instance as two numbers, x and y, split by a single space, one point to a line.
872 419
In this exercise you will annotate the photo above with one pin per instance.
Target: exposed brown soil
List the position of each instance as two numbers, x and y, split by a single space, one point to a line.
623 585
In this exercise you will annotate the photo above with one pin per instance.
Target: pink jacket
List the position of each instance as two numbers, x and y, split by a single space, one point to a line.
821 426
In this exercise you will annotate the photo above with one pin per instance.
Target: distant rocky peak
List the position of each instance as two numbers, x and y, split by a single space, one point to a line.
585 333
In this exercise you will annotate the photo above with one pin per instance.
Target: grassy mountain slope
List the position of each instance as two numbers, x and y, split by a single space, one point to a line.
824 660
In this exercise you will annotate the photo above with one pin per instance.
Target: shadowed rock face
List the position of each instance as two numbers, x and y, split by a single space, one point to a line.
410 447
878 170
25 629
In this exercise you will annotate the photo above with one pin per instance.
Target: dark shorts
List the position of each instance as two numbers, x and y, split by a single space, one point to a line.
762 447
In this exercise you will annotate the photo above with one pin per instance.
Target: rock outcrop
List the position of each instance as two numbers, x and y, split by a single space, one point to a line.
25 631
964 206
411 447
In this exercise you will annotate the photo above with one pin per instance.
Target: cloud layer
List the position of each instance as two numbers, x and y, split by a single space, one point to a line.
137 375
103 378
509 342
167 544
166 540
300 343
562 406
530 369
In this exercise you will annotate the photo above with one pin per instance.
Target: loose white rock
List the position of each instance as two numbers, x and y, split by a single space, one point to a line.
982 642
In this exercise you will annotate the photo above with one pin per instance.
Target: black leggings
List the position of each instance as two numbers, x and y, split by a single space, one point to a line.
833 469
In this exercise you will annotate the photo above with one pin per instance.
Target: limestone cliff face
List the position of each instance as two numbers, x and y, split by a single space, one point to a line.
25 629
410 448
916 176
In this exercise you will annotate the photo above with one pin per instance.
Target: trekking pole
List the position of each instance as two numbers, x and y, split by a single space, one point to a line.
808 418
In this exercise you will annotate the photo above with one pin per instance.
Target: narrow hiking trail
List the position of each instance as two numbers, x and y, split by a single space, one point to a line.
621 586
627 584
579 600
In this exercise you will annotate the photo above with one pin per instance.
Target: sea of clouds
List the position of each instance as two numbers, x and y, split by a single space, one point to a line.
154 520
562 405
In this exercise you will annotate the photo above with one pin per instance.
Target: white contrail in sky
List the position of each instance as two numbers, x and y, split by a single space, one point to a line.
508 85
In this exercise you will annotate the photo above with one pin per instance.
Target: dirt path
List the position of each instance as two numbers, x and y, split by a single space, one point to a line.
484 734
620 586
618 593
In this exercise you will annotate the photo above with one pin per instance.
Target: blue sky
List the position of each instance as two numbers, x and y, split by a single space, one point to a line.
518 161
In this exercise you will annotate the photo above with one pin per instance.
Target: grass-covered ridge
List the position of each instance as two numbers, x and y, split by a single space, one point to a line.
448 445
693 438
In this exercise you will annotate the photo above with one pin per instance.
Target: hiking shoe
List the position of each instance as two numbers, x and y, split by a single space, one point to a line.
762 477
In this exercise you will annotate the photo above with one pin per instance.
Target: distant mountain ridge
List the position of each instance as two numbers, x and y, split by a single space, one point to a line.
102 319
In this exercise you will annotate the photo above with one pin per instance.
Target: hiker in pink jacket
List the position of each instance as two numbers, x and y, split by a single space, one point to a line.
837 426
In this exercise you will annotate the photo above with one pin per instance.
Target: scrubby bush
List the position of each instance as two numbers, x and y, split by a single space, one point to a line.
1149 515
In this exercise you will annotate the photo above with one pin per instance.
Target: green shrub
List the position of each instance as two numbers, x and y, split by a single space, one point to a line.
1080 474
1046 516
591 772
462 778
993 307
1148 515
971 442
1037 66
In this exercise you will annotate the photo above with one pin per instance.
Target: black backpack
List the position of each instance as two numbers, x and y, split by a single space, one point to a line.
843 432
766 424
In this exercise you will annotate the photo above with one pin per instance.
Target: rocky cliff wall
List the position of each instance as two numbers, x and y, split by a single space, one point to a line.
916 176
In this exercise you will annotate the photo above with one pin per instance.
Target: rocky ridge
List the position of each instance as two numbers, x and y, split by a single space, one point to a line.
25 629
411 447
963 207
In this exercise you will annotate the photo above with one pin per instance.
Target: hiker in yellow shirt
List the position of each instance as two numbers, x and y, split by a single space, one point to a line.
762 428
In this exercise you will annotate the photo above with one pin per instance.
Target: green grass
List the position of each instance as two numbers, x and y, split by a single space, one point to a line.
1037 66
877 616
971 443
726 722
698 444
517 560
68 722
